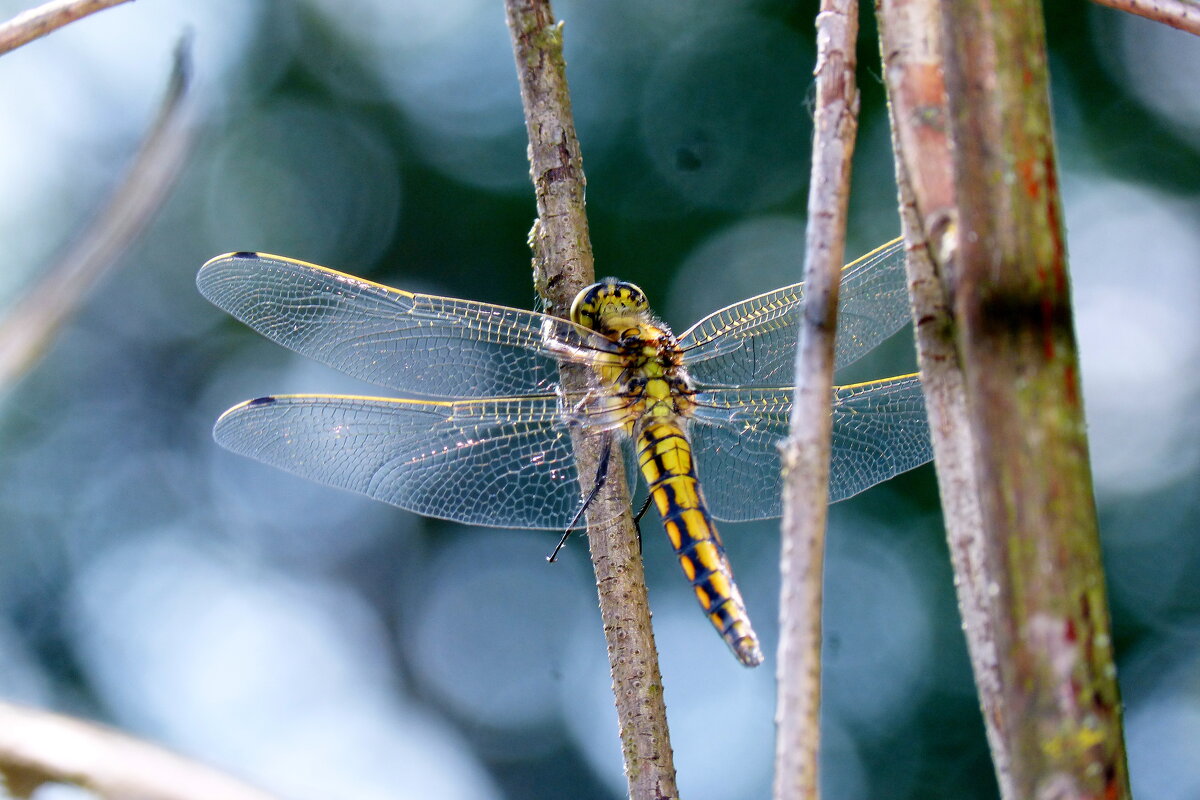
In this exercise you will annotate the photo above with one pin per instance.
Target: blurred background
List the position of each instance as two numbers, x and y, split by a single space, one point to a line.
326 646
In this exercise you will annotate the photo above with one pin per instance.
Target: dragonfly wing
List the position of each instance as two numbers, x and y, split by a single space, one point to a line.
879 431
753 343
735 435
503 462
415 343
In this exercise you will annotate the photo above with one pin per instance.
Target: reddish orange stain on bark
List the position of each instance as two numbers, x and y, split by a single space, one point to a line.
1071 384
1033 186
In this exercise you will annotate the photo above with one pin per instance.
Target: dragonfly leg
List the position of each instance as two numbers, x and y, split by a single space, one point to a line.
637 520
601 476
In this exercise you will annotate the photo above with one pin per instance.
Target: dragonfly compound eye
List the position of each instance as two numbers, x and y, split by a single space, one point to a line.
609 297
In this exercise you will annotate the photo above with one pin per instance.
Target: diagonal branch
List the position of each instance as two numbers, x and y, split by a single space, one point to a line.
1181 14
806 453
38 747
47 18
562 267
30 325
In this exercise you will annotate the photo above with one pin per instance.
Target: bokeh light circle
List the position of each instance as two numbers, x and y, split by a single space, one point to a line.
722 115
507 614
304 182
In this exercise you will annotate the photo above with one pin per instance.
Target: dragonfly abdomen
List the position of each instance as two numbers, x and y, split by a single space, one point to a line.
665 458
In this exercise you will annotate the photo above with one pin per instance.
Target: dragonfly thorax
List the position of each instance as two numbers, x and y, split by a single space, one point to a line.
646 381
645 377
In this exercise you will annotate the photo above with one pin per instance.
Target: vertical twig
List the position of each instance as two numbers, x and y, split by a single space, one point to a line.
911 46
1016 336
1181 14
563 266
806 452
47 18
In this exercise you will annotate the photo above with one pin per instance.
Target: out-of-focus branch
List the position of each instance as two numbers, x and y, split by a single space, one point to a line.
1016 335
47 18
28 327
806 453
911 46
38 747
563 265
1181 14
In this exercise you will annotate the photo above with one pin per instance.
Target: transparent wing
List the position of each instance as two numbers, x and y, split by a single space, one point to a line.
415 343
879 431
753 343
506 462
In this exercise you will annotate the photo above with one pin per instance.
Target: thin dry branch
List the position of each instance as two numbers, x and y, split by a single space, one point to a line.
563 266
1181 14
1016 336
32 322
47 18
806 453
38 747
911 46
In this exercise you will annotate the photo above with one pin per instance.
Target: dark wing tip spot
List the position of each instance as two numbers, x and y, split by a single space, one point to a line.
243 254
260 401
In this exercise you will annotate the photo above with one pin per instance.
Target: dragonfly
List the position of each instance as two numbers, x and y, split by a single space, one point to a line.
479 431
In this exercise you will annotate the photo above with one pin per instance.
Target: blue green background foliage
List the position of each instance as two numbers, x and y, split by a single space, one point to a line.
326 646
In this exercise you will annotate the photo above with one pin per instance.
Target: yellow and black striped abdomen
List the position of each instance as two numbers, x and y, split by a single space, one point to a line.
665 457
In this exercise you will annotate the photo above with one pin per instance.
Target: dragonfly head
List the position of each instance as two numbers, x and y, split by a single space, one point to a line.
599 305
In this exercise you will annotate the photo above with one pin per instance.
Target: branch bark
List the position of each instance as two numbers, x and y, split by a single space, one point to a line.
1016 335
47 18
563 265
1181 14
911 47
37 747
806 453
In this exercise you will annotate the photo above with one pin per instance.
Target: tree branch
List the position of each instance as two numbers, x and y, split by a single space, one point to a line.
32 322
47 18
806 453
562 267
1181 14
37 747
1016 335
911 46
